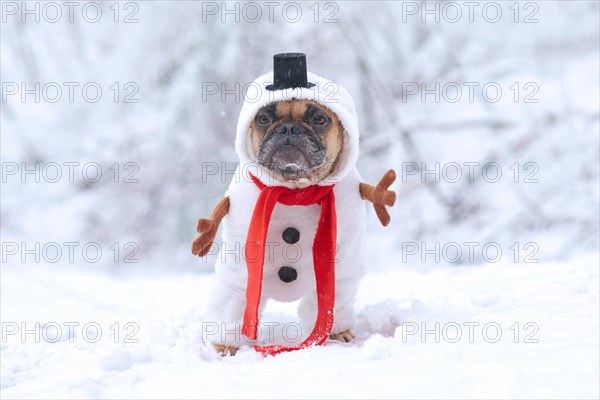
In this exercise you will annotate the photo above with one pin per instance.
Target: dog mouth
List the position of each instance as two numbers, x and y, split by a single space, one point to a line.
291 159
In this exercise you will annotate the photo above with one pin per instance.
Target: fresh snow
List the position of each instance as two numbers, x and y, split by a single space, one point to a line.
553 352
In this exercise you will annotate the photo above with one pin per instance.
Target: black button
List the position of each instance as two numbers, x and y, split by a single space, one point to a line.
291 235
287 274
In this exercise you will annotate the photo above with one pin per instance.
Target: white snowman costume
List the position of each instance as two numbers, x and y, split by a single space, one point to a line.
292 249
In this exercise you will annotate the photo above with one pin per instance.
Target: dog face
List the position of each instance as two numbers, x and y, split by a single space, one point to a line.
297 140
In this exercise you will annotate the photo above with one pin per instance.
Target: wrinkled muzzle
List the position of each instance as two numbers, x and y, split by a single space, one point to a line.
291 150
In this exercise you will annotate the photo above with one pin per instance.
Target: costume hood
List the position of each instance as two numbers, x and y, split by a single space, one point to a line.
327 93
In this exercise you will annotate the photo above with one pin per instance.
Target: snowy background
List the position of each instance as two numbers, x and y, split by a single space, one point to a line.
501 98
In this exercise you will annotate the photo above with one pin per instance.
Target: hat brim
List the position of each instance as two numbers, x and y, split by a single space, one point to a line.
286 85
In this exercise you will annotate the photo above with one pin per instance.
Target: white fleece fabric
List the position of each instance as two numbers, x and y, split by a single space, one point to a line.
228 299
328 93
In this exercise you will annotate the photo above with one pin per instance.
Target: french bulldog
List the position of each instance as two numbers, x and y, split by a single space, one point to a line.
307 192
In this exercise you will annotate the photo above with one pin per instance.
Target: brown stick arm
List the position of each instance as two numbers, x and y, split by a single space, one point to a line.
208 227
380 196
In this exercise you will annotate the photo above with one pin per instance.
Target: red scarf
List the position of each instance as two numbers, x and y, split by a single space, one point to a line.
323 257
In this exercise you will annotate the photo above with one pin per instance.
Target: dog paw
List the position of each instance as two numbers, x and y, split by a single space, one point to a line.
225 350
344 336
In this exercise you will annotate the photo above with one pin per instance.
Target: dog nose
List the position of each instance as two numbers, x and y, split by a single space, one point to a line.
289 128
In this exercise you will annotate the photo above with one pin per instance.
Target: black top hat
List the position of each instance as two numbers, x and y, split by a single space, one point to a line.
289 71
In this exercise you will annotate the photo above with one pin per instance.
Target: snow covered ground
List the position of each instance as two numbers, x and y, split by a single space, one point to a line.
504 330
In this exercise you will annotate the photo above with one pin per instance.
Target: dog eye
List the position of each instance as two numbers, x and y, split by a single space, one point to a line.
263 119
319 119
